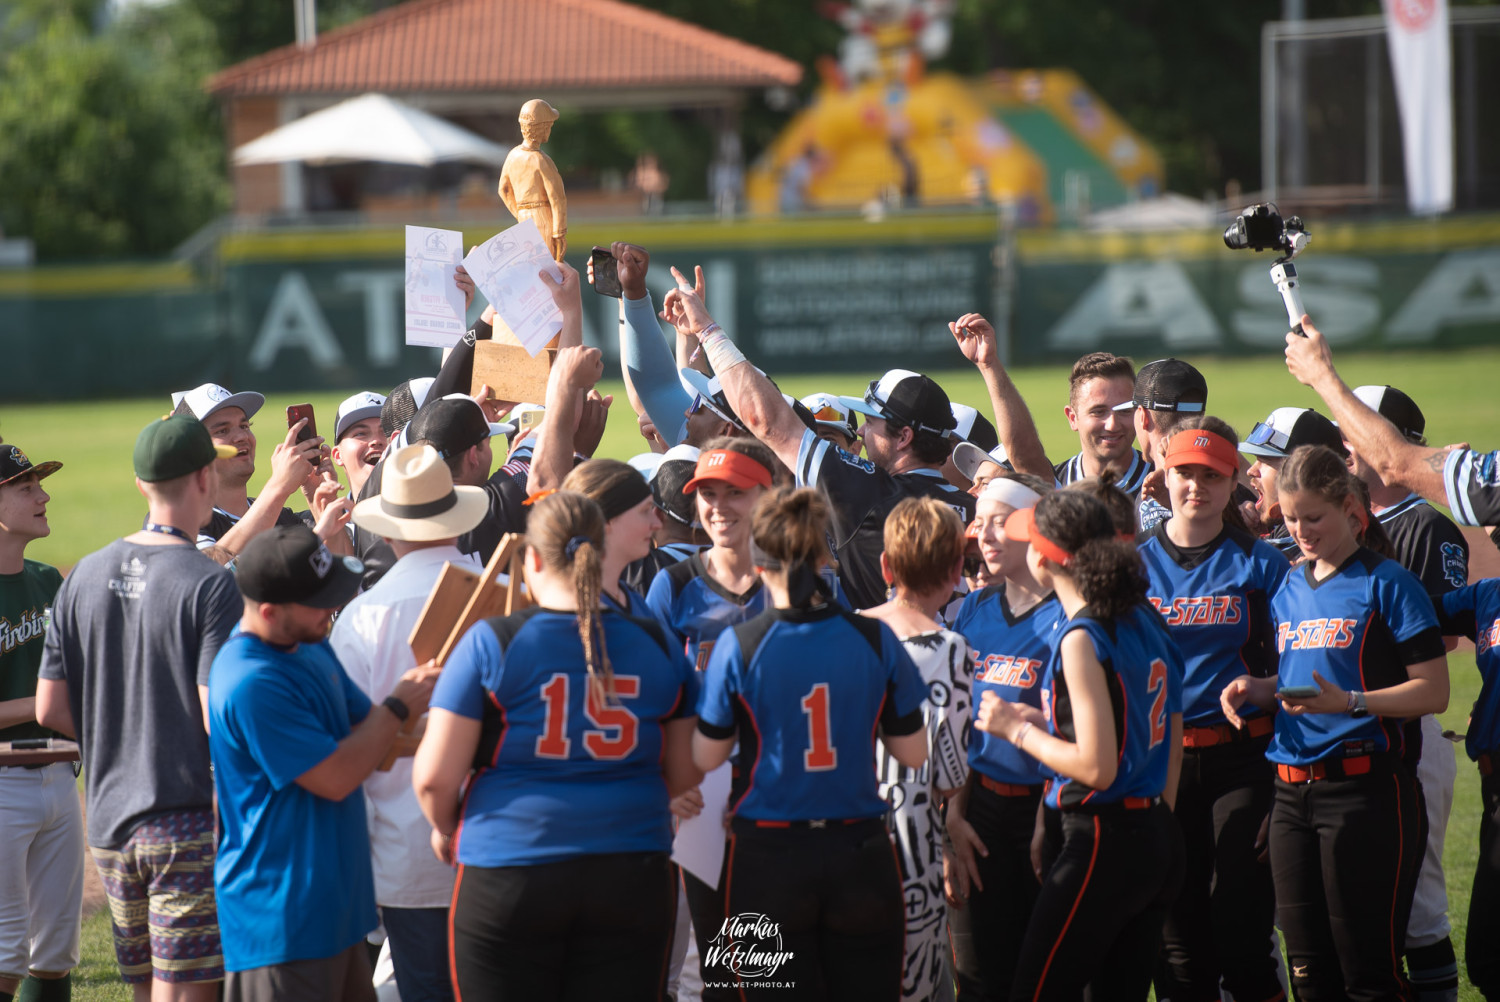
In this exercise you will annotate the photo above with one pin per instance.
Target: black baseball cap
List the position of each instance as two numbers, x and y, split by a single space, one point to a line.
1288 428
13 464
974 428
1397 408
288 564
404 401
906 398
1168 384
175 446
452 424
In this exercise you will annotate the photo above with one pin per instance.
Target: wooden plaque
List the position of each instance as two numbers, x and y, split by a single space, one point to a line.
57 750
511 372
459 599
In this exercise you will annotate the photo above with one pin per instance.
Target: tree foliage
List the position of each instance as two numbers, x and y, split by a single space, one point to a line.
108 144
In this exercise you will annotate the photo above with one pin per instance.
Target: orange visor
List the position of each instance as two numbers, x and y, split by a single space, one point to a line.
734 468
1021 526
1196 447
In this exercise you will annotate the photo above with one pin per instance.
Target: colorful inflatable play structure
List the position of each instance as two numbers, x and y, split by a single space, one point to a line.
881 129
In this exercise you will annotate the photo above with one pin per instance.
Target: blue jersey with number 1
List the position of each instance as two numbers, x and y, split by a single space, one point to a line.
806 691
1143 672
561 772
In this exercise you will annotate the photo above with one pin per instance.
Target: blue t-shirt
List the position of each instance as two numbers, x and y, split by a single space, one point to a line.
293 876
560 773
805 691
1143 671
1359 628
1215 600
694 608
1474 612
1010 653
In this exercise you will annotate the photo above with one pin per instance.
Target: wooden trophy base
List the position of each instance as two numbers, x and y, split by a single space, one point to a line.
509 370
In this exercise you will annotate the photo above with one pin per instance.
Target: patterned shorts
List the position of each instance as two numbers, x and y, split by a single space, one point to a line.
161 896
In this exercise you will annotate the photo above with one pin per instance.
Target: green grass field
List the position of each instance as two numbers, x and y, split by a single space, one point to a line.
94 501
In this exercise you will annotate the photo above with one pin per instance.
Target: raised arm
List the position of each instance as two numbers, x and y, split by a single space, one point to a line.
646 361
752 396
575 371
1013 423
1415 467
292 462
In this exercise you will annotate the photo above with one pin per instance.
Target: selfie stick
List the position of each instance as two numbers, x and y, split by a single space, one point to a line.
1284 274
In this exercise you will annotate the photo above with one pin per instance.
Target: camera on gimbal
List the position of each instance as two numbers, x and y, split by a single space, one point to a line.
1260 228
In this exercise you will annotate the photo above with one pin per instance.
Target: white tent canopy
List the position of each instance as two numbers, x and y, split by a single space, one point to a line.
1168 211
371 127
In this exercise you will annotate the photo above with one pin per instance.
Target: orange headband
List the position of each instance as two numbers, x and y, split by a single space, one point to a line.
734 468
1202 448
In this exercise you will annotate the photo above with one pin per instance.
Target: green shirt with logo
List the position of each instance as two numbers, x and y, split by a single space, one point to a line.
25 608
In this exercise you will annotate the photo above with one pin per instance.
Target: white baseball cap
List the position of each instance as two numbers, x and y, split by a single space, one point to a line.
201 401
361 406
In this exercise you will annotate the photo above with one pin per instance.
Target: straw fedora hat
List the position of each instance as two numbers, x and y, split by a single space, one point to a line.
418 502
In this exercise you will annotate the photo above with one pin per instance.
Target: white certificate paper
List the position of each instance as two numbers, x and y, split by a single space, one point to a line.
506 268
699 845
435 314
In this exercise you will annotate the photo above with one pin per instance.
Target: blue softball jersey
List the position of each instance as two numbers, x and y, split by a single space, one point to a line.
1473 611
805 691
1216 601
561 773
1143 672
694 608
1010 654
1359 628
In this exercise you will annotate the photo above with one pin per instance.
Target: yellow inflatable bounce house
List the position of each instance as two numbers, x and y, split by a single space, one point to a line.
880 129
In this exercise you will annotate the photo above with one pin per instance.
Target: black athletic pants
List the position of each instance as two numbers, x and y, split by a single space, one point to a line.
1482 939
1221 922
706 906
1098 918
590 928
834 898
1345 854
989 928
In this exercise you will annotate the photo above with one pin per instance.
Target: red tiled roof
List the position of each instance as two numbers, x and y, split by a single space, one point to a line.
503 45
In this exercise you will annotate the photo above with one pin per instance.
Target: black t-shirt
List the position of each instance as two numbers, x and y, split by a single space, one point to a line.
861 495
1427 544
220 522
372 550
507 514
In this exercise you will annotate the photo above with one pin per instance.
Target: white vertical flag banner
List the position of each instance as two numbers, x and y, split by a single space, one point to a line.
1420 63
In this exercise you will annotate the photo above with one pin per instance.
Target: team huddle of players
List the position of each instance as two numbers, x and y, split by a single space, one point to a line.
977 723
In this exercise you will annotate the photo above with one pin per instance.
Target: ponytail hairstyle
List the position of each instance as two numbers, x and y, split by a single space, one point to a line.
789 533
567 530
1231 514
1116 502
1105 568
1322 472
614 486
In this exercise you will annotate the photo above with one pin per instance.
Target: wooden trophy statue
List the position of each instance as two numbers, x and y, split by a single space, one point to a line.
530 186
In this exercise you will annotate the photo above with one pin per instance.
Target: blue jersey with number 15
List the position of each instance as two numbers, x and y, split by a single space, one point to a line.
805 691
561 772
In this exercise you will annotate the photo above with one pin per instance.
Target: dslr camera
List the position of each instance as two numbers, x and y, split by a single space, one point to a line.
1260 228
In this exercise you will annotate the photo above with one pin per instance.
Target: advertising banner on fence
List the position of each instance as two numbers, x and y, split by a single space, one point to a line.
325 310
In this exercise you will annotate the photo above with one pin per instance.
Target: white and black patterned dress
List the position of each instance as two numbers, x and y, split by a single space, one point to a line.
943 659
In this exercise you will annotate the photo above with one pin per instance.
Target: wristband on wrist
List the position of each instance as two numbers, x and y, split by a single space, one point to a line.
723 354
397 707
1021 735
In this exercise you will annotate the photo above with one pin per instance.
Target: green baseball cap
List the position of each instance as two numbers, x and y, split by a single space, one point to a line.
175 446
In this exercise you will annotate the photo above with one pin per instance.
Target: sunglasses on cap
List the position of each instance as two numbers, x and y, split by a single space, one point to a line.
1265 434
696 405
829 413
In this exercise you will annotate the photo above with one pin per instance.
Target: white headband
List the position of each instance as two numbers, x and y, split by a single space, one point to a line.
1010 492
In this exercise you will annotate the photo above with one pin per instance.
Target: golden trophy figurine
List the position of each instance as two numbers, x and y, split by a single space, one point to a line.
530 186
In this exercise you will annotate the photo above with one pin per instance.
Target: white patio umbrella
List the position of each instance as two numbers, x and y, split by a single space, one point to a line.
371 127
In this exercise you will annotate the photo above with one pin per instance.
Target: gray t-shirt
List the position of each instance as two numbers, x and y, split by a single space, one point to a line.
134 631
